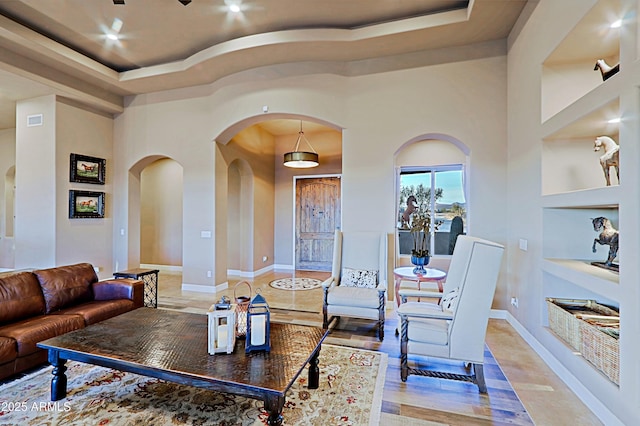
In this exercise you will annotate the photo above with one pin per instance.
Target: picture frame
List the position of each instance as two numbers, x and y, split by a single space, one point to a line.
86 169
86 204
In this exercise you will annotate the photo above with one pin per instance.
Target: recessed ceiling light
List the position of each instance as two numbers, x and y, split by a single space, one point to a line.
112 36
616 24
614 120
234 8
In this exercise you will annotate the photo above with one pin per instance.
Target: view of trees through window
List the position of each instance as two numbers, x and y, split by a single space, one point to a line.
439 192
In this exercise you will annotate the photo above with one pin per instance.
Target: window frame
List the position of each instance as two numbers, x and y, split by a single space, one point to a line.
432 170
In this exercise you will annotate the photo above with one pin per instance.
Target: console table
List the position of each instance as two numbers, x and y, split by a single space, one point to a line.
150 279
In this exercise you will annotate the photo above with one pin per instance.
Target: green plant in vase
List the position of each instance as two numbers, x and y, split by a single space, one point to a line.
420 230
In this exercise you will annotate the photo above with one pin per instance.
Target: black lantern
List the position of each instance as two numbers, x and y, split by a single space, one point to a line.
258 325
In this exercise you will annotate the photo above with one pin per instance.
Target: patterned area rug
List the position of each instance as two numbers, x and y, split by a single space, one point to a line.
350 393
295 283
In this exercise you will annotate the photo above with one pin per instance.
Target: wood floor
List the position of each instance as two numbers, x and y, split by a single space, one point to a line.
421 400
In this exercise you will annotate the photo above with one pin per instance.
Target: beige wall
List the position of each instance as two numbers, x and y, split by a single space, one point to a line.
83 240
378 114
7 165
161 213
248 157
37 195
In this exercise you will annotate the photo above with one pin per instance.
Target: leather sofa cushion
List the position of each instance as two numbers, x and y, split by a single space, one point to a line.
8 350
97 311
66 285
20 297
33 330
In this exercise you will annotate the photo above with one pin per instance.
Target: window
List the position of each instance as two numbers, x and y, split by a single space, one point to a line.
439 192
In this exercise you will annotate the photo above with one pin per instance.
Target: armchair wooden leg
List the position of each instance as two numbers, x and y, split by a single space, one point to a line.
479 376
404 367
325 319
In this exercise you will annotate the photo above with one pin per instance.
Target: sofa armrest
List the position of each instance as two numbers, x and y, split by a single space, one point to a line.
120 288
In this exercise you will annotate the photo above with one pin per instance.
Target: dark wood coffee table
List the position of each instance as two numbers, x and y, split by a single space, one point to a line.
172 346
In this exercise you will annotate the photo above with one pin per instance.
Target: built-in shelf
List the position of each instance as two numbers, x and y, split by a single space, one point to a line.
581 273
568 72
574 361
606 197
569 162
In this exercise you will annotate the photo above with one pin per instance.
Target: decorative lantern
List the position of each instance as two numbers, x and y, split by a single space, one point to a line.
222 335
258 325
242 304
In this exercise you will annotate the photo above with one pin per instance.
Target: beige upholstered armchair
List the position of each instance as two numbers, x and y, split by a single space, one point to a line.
456 327
358 279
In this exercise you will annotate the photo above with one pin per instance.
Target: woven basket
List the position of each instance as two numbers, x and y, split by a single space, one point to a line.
563 318
600 346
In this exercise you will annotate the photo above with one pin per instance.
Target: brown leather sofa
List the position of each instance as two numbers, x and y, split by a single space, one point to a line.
37 305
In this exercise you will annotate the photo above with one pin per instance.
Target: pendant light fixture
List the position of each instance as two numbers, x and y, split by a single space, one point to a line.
301 159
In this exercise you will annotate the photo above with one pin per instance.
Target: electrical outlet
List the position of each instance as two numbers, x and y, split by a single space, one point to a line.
514 301
264 258
208 274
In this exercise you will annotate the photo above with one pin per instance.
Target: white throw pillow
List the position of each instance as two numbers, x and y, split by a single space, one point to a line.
359 278
450 300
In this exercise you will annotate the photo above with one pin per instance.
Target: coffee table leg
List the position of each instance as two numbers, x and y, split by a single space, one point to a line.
59 381
314 371
274 404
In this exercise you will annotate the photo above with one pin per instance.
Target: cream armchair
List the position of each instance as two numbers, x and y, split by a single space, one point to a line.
358 283
455 328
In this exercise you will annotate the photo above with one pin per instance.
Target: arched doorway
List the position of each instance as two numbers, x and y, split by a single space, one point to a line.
240 208
161 186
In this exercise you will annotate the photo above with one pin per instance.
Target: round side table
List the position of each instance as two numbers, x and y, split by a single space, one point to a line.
406 273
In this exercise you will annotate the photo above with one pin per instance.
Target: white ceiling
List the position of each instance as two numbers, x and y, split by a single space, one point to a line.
60 46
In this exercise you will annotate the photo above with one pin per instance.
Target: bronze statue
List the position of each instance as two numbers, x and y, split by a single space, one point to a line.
608 236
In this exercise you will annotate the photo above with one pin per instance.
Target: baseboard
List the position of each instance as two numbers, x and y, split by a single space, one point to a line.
199 288
284 267
582 392
249 274
167 268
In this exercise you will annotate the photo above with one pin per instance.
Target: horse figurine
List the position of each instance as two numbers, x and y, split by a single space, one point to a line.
608 236
605 70
611 156
411 208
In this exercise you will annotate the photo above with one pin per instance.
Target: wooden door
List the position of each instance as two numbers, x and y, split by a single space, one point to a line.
317 217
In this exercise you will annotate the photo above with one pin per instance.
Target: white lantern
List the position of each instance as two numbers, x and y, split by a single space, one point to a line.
222 325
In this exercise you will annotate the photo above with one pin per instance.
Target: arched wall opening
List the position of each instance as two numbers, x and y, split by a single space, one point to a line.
240 208
438 157
257 145
155 213
9 201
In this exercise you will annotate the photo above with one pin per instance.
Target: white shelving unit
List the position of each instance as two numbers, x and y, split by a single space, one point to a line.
573 187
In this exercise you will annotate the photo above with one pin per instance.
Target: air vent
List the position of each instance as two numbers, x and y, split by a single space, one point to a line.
34 120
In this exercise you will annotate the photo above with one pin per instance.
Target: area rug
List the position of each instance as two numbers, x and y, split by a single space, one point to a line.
350 393
296 283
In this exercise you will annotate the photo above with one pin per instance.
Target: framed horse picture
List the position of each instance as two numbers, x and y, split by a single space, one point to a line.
85 169
86 204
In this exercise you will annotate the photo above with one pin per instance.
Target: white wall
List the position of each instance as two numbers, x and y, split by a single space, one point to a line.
551 232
